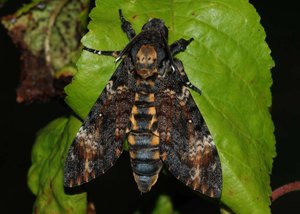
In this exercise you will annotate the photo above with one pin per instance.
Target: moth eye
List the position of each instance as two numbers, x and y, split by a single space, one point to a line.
190 121
100 115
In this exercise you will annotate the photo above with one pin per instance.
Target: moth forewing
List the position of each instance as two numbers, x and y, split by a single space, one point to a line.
99 142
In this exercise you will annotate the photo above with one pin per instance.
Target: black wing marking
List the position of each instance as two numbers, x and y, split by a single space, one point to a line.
99 142
187 147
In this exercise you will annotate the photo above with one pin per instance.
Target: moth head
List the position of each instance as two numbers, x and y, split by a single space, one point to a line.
146 55
156 25
146 61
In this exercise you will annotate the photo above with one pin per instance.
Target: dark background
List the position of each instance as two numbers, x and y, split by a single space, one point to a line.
19 124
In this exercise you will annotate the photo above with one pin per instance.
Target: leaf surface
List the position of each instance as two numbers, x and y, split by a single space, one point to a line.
163 205
45 177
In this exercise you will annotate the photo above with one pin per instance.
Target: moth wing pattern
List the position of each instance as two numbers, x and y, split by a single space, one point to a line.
186 145
99 141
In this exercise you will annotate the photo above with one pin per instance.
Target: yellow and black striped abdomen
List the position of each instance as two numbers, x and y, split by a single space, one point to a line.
143 142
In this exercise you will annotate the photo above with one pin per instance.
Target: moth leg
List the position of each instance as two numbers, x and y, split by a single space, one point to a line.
179 46
184 78
126 26
105 53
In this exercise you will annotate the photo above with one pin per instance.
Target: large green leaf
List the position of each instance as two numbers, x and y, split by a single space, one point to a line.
45 177
229 60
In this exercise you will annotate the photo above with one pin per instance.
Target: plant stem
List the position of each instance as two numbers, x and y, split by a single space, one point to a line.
294 186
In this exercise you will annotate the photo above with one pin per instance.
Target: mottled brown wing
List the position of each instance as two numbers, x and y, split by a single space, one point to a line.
99 142
186 144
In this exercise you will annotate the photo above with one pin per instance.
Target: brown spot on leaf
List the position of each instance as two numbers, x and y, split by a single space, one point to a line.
134 17
231 193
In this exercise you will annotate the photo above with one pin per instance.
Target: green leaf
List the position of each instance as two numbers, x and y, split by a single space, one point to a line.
163 205
228 59
45 177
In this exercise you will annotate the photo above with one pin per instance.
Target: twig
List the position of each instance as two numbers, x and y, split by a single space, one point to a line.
295 186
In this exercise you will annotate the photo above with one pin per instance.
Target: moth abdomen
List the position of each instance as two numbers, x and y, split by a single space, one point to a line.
145 162
145 159
143 142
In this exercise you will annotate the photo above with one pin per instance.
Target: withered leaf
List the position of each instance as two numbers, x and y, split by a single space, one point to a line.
48 35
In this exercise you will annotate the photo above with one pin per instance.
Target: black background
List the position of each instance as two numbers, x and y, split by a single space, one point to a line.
116 192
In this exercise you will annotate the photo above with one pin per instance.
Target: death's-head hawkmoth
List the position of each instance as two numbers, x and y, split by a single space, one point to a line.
147 100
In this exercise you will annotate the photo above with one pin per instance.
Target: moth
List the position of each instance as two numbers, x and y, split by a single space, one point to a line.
147 100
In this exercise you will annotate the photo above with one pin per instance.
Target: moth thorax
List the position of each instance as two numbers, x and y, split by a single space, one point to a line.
146 59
